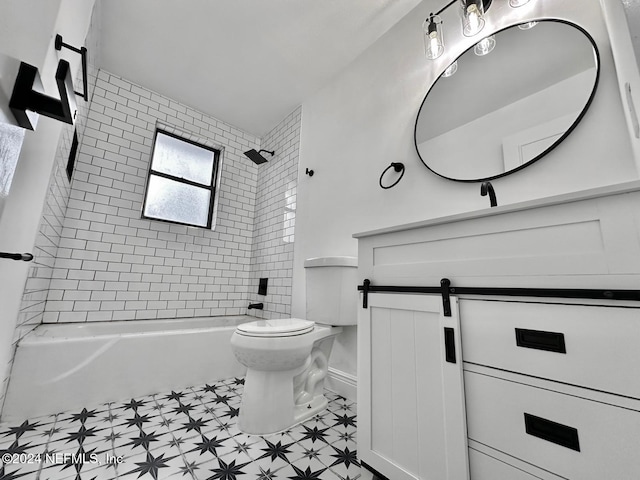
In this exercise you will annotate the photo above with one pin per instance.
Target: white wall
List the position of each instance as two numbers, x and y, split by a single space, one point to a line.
28 36
362 121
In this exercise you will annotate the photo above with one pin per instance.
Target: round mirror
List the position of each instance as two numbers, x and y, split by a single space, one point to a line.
503 110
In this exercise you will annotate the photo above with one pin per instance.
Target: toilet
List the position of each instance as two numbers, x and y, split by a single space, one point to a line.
287 359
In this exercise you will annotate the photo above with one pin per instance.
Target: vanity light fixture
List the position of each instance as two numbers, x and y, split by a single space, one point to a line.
472 14
485 46
433 42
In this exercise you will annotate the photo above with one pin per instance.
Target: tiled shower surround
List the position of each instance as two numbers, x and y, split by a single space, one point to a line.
272 251
185 434
113 265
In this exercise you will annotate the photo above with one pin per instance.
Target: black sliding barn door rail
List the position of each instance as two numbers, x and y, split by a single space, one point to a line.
445 290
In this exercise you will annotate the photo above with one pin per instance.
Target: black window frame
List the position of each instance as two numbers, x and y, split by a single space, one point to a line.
212 187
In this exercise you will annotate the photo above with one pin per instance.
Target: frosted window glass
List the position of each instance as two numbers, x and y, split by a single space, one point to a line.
177 202
183 160
10 145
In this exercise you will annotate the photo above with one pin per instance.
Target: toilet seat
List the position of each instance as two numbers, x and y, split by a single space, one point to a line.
282 327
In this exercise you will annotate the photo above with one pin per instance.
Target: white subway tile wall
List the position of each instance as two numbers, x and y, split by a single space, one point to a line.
113 265
272 252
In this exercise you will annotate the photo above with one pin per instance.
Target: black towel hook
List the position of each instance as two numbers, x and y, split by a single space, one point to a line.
397 167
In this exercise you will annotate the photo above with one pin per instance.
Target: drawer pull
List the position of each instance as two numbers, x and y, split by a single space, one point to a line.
449 345
549 341
552 432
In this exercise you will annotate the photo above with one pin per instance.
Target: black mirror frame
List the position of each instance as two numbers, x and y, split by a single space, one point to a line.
554 144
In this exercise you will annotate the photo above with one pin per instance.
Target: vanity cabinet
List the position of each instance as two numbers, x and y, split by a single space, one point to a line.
549 386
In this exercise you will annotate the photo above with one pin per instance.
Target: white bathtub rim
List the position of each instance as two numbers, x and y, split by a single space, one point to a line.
45 333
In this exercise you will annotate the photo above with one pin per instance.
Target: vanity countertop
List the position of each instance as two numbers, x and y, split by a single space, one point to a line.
580 195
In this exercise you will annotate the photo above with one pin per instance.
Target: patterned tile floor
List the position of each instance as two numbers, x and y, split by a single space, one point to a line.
188 434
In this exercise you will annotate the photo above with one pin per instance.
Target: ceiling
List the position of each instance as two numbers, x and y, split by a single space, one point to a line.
246 62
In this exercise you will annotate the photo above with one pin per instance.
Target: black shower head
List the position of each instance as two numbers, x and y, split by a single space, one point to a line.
256 158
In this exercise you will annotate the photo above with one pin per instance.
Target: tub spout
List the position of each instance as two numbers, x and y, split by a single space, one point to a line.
487 187
257 306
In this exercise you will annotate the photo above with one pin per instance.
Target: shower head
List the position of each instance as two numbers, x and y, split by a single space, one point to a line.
256 158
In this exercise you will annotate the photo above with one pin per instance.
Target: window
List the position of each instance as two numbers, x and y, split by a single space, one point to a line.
181 184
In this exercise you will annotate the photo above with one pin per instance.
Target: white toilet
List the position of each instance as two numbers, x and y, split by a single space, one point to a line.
287 359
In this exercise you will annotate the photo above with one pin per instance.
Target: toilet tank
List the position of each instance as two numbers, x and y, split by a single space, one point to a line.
332 290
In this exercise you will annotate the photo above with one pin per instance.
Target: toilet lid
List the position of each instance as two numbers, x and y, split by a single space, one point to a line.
282 327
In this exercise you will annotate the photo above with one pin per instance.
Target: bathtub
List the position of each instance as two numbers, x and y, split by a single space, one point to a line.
61 367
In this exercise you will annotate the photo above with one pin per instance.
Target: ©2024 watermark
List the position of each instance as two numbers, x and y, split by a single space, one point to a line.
61 458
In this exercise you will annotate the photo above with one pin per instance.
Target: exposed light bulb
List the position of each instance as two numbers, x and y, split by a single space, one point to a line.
434 46
433 42
451 69
472 17
485 46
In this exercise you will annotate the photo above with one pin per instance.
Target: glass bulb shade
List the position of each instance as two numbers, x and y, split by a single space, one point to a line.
527 26
433 41
450 70
485 46
518 3
472 17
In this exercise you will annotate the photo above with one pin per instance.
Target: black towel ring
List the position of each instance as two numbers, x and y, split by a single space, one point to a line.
398 167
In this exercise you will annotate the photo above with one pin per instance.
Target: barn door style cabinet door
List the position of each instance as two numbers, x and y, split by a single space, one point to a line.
412 423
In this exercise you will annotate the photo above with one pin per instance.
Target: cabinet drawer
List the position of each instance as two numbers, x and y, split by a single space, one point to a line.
570 436
590 346
484 466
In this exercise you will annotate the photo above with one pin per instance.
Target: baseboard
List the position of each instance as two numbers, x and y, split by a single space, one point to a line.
342 383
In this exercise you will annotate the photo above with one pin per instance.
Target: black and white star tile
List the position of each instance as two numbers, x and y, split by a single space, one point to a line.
188 434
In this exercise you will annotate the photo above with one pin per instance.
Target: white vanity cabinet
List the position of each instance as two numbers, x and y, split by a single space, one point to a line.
550 386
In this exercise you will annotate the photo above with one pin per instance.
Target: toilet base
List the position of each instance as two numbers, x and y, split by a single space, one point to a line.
306 411
267 404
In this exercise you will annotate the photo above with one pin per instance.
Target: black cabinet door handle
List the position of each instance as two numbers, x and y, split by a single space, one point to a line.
552 432
449 345
540 340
